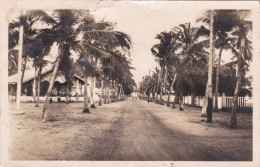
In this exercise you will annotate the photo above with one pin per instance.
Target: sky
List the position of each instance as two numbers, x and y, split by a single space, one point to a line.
142 21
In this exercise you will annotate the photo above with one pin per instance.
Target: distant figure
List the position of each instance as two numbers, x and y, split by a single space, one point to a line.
51 100
135 95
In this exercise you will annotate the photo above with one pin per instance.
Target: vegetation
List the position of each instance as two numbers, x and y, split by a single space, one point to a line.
96 52
75 32
185 55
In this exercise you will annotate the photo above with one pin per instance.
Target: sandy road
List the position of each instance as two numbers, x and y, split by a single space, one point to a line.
137 134
127 130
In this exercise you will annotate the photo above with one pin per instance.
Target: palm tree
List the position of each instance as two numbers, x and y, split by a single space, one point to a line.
209 96
95 53
158 84
115 69
66 33
241 31
66 38
190 55
89 70
99 40
161 53
66 66
123 75
41 48
171 88
27 20
25 39
223 24
19 80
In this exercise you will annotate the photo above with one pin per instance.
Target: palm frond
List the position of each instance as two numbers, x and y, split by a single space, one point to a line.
40 15
97 51
115 38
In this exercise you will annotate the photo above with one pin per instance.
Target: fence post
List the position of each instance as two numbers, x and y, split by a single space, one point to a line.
223 101
219 102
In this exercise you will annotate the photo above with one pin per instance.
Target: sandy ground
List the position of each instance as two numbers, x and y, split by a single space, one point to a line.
128 130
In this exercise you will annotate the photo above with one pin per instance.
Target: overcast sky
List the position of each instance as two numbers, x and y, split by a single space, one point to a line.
142 21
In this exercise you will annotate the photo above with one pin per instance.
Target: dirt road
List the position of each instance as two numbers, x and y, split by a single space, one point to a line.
137 134
128 130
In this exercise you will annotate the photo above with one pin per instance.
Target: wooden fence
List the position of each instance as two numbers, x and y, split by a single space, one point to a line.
223 101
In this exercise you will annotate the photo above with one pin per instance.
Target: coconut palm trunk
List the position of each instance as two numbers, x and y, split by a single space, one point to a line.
38 87
192 98
93 85
67 92
24 67
20 55
92 91
175 99
101 92
34 86
115 91
217 82
120 94
168 98
161 91
239 73
47 98
181 101
123 93
108 92
153 89
105 90
163 85
77 89
86 97
171 89
112 90
210 69
205 103
157 87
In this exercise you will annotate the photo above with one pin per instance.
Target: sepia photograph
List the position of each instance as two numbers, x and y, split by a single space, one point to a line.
129 83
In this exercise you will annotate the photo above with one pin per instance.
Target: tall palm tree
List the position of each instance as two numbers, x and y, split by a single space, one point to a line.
66 38
41 48
244 56
99 40
161 53
27 20
209 96
223 24
190 54
227 24
25 39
